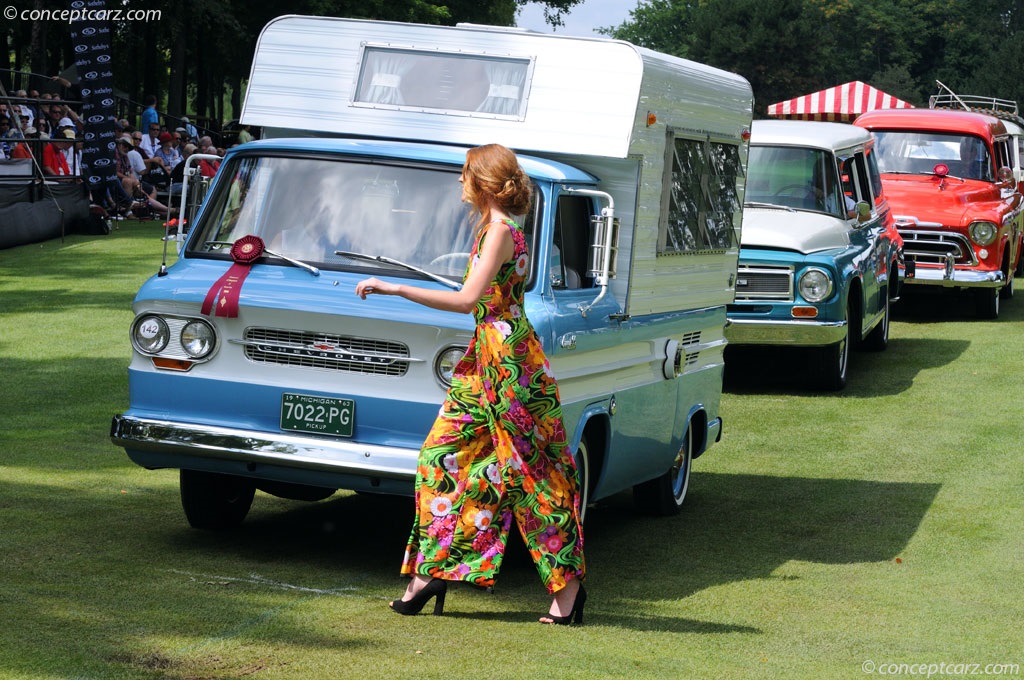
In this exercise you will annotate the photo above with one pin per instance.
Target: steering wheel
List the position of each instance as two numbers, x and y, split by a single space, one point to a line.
797 191
450 260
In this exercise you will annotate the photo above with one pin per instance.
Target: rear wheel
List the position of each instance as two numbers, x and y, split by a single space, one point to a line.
986 303
664 495
215 501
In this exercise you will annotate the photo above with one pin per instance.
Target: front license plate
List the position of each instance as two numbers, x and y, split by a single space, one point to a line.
322 415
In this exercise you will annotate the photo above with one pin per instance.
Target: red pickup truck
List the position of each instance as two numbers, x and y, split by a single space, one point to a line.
948 178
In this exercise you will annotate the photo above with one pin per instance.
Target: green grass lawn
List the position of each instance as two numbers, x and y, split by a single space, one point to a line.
824 532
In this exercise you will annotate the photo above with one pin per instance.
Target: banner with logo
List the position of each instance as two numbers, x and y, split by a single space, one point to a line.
91 39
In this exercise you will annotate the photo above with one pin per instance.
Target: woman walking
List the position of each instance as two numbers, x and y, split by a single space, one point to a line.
497 452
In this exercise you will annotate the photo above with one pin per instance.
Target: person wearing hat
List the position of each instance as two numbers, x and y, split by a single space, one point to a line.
190 129
55 161
130 169
22 150
168 153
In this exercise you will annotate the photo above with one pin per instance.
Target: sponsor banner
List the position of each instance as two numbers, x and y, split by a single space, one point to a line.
92 39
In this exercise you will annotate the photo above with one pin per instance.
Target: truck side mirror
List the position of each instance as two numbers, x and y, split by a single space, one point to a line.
1005 176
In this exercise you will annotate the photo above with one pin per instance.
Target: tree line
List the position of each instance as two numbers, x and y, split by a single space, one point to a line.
196 56
787 48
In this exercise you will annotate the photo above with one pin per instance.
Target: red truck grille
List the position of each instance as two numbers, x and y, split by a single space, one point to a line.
931 247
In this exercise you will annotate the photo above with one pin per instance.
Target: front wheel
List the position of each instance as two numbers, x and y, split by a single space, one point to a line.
986 303
878 338
582 458
664 495
215 501
1006 292
833 360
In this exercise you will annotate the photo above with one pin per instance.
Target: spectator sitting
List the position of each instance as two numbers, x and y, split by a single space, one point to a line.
129 170
54 160
178 173
23 150
150 139
193 133
5 127
167 152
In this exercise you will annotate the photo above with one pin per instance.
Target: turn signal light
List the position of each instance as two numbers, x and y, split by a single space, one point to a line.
172 364
805 312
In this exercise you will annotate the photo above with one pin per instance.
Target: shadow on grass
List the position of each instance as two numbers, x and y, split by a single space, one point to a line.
100 574
927 305
786 370
733 528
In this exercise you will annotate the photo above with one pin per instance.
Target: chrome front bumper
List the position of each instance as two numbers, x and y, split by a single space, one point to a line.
949 277
781 332
308 459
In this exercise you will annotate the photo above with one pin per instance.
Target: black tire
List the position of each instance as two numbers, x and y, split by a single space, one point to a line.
878 338
663 496
1006 292
986 303
214 501
833 361
582 458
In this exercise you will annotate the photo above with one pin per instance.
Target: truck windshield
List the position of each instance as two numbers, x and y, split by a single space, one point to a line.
308 208
915 152
791 177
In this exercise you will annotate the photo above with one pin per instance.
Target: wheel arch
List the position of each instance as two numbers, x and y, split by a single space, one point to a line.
594 423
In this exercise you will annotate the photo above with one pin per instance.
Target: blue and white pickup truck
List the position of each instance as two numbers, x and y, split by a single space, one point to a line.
820 259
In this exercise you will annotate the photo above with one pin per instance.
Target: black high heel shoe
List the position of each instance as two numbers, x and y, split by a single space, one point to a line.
575 615
437 588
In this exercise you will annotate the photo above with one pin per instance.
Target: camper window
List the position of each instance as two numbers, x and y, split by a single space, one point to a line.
470 84
701 202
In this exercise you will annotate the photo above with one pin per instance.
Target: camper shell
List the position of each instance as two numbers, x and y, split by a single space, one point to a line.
638 164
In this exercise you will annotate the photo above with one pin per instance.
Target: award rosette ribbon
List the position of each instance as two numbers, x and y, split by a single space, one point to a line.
245 251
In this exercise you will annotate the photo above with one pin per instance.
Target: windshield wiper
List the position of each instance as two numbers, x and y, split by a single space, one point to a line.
455 285
298 263
757 204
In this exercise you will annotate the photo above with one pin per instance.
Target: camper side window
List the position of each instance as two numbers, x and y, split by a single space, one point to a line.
569 249
701 197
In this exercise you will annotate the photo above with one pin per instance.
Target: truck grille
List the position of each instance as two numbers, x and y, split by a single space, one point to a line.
764 282
931 247
326 351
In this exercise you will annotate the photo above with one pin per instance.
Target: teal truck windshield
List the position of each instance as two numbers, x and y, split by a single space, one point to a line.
803 179
308 208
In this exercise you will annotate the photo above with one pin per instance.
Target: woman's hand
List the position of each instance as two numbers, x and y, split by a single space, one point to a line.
374 286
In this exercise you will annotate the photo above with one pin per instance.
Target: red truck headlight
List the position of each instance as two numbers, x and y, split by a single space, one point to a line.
983 233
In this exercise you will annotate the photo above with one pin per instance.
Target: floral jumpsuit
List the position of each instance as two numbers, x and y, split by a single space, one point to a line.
497 452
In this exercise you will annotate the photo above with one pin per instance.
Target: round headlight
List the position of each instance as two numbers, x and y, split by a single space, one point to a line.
982 233
150 334
815 285
444 365
197 339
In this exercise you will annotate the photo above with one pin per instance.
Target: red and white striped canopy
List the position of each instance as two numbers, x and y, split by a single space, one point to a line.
840 103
